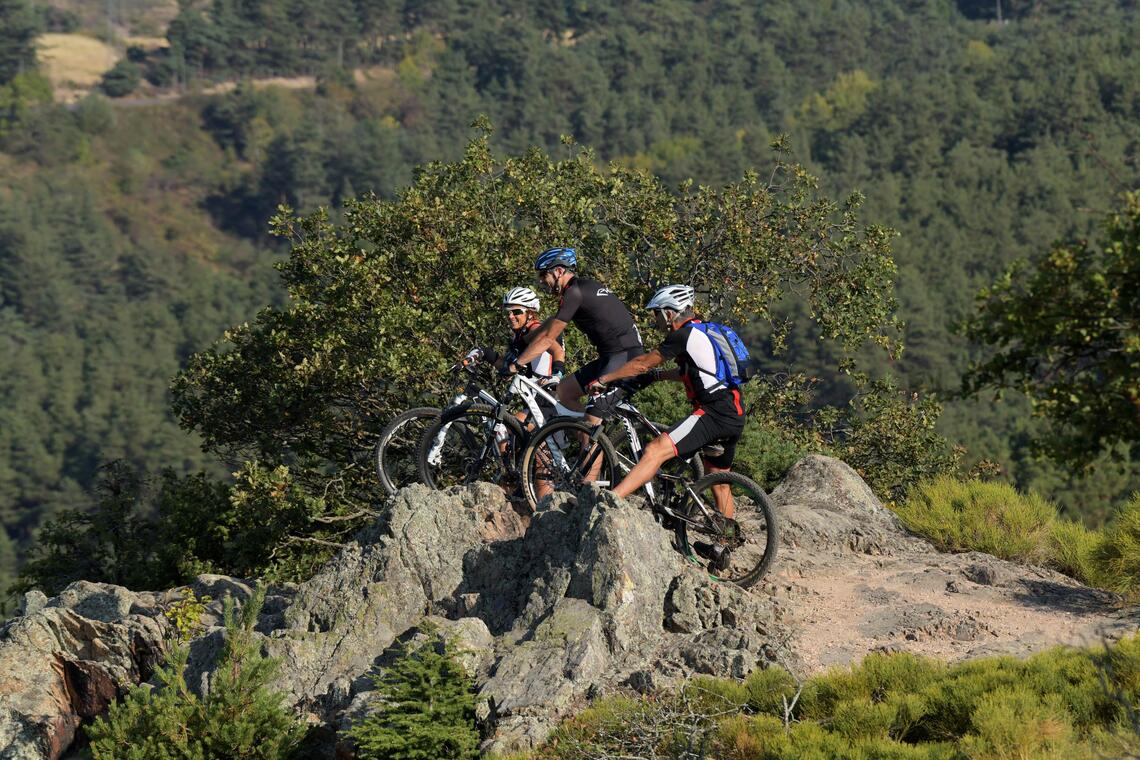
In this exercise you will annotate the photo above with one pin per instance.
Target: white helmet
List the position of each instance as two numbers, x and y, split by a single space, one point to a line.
676 298
524 297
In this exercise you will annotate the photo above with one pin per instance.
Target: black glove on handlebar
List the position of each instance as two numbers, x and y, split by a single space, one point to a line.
605 404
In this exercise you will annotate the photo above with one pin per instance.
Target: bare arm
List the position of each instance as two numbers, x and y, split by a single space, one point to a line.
634 367
543 339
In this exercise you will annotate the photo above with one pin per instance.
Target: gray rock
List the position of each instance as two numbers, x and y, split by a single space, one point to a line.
33 601
58 668
550 612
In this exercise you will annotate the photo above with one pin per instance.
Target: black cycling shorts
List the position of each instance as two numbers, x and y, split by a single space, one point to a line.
603 364
702 428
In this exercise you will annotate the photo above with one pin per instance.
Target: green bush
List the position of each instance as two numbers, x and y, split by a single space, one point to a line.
1064 703
1116 559
122 79
423 707
1071 549
972 515
239 717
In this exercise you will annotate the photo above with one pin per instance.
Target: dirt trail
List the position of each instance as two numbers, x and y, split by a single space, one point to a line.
850 581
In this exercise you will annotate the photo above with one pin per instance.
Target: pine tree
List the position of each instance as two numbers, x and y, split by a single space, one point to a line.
424 707
238 718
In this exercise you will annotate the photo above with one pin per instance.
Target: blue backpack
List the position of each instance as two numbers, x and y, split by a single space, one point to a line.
734 365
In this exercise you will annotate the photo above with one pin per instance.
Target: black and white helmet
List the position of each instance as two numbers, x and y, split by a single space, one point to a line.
524 297
676 298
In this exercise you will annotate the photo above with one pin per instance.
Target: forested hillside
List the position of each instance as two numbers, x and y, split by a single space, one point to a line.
132 236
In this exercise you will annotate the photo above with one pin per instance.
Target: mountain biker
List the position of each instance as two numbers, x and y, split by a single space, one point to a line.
718 414
596 311
520 307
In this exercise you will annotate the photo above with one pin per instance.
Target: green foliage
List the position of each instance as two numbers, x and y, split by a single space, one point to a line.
238 718
957 515
1066 334
1064 703
889 438
1071 549
18 29
423 707
138 534
1117 558
973 515
122 79
20 95
382 302
186 614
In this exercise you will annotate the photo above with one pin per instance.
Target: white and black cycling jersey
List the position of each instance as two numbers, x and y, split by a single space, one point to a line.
693 350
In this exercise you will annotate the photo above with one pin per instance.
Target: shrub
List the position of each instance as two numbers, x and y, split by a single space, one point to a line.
1116 559
238 718
423 708
1064 703
957 515
1071 549
888 437
122 79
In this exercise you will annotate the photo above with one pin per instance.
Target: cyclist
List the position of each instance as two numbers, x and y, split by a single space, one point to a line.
596 311
718 414
520 307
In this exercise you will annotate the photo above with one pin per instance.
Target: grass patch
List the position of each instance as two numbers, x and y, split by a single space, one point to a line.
1116 558
74 60
971 515
1064 703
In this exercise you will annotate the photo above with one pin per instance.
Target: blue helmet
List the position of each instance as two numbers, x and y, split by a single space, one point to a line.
556 257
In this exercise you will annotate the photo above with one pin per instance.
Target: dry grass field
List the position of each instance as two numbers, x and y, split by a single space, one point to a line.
74 62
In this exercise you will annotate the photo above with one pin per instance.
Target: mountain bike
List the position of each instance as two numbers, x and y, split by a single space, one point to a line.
396 455
480 438
739 543
624 434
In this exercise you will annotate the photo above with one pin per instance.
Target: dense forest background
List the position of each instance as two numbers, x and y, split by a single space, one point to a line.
133 232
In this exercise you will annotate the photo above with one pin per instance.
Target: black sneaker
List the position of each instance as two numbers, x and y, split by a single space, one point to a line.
715 554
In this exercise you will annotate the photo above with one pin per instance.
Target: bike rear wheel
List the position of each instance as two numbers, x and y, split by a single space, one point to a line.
469 445
558 460
739 550
396 455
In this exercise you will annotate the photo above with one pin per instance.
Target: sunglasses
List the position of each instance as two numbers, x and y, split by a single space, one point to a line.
516 312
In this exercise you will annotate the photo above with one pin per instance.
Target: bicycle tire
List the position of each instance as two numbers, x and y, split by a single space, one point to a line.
469 450
396 455
751 542
567 476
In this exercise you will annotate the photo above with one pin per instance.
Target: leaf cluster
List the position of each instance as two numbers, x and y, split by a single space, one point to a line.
1066 333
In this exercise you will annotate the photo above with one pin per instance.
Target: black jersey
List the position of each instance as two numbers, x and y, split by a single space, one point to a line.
600 315
696 357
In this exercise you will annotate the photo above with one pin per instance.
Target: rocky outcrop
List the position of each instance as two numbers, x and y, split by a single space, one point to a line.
66 659
587 597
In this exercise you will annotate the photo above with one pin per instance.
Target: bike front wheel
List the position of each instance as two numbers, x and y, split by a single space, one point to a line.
469 445
563 457
396 455
738 549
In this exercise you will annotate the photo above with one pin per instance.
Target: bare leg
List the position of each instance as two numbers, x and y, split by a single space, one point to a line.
570 396
658 452
722 493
